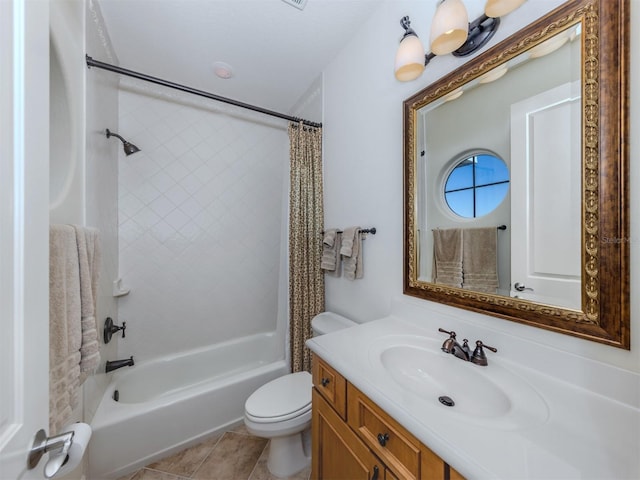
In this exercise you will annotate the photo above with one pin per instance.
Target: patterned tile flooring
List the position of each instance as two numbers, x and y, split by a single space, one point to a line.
235 455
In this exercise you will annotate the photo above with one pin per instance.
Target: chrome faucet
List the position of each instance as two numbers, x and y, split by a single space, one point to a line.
115 364
463 351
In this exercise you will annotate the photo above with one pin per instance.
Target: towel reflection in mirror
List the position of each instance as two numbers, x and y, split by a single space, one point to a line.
466 258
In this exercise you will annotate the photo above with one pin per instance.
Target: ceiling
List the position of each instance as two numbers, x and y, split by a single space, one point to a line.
276 51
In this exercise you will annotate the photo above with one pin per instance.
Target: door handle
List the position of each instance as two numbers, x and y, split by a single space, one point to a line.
520 287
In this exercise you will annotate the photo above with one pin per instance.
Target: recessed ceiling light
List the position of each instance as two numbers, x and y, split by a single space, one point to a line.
223 70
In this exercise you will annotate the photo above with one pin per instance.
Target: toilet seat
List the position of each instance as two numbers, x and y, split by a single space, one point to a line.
281 399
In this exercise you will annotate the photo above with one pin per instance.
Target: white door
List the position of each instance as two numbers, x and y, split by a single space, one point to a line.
24 232
546 197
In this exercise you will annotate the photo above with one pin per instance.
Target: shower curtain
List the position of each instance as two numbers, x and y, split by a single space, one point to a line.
306 216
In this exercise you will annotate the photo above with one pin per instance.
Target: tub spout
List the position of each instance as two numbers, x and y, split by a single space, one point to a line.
115 364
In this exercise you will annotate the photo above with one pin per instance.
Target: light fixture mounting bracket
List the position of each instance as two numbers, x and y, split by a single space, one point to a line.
481 30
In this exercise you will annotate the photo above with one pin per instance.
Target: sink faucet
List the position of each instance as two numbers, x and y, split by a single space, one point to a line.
463 351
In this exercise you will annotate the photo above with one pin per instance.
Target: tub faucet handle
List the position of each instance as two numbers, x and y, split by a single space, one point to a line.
110 328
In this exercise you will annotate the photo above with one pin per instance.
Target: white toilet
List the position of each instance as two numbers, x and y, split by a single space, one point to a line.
281 409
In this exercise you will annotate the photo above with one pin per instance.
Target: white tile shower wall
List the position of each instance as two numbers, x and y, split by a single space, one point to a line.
200 224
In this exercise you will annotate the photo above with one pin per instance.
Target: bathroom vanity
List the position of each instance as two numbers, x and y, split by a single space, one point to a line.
533 412
354 438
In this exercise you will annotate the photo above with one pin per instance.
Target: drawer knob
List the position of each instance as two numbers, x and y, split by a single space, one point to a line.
324 382
383 438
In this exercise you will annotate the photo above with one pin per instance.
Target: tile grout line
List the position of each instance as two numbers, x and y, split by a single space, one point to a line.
177 477
207 456
258 461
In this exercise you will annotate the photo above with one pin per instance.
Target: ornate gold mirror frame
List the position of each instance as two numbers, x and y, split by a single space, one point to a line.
605 315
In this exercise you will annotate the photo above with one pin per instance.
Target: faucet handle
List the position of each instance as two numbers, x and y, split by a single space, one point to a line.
450 342
452 333
479 357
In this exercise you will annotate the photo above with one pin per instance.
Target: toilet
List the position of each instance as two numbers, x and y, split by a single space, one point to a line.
281 409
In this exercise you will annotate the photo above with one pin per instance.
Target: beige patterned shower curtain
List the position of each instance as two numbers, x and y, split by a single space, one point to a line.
306 216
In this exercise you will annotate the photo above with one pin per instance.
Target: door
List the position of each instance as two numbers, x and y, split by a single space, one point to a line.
546 197
24 232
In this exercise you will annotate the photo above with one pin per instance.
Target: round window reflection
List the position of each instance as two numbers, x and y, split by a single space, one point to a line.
477 185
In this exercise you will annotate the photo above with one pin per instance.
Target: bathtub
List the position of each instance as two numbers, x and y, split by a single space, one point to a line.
176 401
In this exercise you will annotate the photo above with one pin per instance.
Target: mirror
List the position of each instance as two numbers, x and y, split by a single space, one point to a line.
525 178
550 105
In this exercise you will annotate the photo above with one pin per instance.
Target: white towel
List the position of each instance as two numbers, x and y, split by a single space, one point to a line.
65 334
74 350
351 251
89 256
331 242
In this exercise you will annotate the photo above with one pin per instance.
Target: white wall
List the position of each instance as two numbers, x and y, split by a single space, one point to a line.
83 171
67 110
201 221
101 186
83 166
363 166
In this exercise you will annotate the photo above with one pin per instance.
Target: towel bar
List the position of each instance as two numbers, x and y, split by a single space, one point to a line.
499 227
371 230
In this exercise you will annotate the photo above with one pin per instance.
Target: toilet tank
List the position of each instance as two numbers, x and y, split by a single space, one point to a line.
327 322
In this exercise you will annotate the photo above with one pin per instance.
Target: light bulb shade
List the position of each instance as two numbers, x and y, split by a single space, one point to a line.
449 27
409 59
548 46
493 75
499 8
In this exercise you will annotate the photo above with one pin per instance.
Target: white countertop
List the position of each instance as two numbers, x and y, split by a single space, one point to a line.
584 434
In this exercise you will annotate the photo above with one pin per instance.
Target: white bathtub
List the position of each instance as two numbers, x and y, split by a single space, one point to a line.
170 403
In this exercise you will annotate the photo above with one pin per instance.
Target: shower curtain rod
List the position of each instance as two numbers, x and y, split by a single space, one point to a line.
148 78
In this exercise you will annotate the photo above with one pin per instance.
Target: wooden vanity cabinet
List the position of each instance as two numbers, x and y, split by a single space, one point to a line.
331 385
337 452
353 438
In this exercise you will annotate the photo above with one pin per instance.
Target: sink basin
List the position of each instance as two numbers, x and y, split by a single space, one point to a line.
492 396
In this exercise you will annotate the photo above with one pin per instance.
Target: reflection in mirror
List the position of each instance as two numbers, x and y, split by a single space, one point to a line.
477 185
551 104
525 111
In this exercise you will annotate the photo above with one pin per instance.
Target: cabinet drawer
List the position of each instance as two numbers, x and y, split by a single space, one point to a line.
331 385
396 447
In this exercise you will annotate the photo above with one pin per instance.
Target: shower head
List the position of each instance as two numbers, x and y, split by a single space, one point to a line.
129 148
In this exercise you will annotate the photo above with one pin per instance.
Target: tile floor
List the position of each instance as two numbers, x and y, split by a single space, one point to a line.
235 455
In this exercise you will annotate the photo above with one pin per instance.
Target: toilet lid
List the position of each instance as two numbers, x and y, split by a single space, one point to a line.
286 397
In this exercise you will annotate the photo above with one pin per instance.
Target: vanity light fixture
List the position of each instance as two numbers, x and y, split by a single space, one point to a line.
451 32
